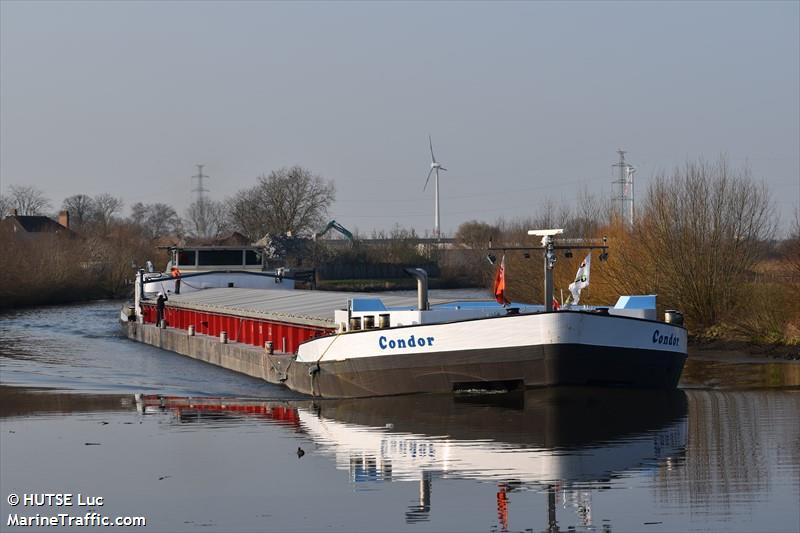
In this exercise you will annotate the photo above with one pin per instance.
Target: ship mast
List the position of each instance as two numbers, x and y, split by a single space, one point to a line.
549 246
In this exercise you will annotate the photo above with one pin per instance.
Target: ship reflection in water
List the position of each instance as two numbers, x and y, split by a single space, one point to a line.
562 441
554 440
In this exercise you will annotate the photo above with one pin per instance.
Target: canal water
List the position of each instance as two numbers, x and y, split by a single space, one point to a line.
191 447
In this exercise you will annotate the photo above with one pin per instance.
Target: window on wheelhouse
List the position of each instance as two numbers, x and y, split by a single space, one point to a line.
220 258
187 258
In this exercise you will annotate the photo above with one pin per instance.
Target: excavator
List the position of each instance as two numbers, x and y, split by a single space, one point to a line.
334 225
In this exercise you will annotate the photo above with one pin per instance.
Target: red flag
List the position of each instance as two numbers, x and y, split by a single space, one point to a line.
500 283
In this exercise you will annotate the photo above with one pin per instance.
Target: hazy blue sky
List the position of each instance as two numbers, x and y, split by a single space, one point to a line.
525 101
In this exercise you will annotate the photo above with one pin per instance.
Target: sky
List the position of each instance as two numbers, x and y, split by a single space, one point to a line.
526 102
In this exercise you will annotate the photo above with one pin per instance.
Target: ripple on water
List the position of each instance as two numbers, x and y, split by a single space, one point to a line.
43 347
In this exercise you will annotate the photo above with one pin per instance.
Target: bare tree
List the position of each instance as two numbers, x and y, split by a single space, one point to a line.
245 215
700 234
28 200
105 207
5 205
796 226
156 220
589 215
206 218
289 200
81 209
163 220
792 246
138 213
549 215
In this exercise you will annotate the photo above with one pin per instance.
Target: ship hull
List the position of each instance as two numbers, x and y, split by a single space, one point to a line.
505 368
563 349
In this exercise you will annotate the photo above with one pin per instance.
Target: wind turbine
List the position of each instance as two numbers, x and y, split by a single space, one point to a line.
435 166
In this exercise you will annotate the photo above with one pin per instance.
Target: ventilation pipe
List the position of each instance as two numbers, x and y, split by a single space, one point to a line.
422 287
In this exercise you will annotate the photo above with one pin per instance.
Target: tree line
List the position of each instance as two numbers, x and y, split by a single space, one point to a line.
99 260
288 200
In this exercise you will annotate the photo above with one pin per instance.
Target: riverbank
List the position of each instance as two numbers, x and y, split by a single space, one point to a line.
727 350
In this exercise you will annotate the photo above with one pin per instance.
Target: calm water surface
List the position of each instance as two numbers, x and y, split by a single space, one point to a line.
208 450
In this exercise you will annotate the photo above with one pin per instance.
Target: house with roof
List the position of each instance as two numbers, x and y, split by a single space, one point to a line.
35 226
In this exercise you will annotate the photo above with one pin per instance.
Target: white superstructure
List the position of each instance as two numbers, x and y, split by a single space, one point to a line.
524 330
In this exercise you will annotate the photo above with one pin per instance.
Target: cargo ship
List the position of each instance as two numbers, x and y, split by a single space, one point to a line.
344 345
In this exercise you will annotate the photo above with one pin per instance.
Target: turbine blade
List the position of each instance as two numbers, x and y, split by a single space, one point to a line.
442 168
430 142
429 179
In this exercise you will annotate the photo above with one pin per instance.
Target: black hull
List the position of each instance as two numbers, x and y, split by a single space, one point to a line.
518 367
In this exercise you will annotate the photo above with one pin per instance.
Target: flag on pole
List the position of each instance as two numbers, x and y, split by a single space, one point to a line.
581 279
500 283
